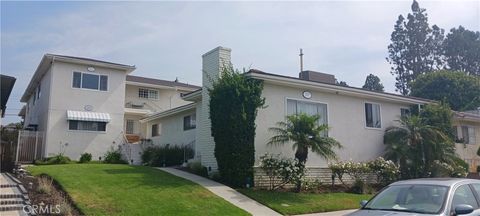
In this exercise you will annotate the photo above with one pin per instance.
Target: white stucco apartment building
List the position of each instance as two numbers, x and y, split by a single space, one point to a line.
86 105
178 114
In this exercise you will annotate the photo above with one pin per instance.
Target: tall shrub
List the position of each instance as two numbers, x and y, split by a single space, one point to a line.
234 101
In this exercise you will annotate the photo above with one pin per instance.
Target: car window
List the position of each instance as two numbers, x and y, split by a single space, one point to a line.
476 187
426 199
464 195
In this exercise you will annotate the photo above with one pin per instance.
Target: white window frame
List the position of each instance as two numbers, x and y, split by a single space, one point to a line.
468 127
88 89
159 130
308 101
365 116
191 121
405 108
126 126
149 93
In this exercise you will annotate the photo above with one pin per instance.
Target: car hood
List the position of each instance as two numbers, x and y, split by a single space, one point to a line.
384 213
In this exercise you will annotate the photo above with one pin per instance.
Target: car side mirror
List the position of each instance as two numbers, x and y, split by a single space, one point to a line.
363 203
463 209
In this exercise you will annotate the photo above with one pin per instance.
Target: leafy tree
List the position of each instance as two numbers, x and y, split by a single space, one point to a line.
439 116
306 134
373 83
462 50
234 101
458 90
415 48
418 143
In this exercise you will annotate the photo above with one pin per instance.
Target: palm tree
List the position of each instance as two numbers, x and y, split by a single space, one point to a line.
306 134
414 145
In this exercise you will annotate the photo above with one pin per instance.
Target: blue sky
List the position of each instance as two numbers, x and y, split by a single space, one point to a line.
166 39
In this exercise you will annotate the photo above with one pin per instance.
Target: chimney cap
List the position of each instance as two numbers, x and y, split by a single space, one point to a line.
217 49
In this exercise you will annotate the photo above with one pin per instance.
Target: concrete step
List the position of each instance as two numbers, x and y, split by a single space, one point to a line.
10 192
17 207
14 213
6 181
11 201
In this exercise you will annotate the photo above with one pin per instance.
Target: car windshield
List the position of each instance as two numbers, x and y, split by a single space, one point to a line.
424 199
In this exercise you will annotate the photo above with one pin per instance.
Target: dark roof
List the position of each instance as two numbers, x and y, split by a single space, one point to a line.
159 82
89 59
474 114
189 93
326 83
6 86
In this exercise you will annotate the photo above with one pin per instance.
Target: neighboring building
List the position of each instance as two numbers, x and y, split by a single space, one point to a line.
467 126
6 86
357 117
86 105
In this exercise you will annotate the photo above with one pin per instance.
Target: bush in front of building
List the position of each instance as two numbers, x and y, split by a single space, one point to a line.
161 156
85 158
57 159
197 169
114 156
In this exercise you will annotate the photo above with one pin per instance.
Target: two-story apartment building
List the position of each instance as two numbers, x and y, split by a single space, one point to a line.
86 105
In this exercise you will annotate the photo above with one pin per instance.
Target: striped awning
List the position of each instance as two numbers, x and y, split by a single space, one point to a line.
88 116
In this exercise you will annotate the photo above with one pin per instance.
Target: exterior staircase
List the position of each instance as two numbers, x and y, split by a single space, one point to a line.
13 197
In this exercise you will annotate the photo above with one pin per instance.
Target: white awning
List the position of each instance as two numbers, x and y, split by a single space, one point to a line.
88 116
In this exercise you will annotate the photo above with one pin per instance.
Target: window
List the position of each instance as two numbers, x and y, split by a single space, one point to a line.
464 195
404 112
309 108
77 79
189 122
147 93
38 91
129 126
103 83
372 115
155 131
468 134
90 81
87 125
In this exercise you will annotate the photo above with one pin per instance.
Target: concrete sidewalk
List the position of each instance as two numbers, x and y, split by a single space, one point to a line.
335 213
227 193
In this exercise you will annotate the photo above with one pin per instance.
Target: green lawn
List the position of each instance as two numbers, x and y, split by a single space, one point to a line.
107 189
289 203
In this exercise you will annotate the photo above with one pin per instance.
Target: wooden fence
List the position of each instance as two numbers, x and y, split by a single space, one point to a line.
30 146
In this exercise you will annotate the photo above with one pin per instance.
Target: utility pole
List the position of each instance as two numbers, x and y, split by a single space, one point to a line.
301 60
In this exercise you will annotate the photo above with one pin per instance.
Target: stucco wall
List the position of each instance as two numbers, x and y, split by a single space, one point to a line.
171 130
37 113
167 98
346 118
64 97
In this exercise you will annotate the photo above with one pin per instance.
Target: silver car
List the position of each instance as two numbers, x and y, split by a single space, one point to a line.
430 196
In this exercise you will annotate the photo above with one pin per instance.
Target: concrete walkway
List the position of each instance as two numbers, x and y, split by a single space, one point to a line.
227 193
334 213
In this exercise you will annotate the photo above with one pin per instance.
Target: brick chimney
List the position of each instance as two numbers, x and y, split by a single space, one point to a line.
213 63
